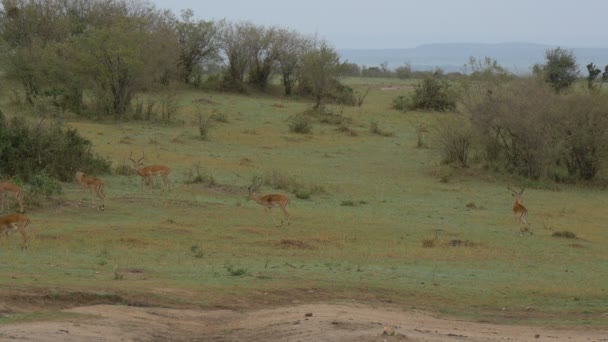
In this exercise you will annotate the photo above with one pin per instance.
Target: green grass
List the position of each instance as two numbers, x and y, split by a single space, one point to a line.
371 251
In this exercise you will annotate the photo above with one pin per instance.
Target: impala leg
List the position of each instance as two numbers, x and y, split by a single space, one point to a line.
19 198
166 181
286 214
2 201
25 238
273 219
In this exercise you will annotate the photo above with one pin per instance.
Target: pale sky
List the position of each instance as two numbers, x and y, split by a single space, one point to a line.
376 24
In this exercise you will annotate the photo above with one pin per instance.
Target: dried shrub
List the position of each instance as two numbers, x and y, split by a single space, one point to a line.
429 243
564 234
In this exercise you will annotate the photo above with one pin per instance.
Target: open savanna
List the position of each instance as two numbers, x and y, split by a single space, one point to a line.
380 227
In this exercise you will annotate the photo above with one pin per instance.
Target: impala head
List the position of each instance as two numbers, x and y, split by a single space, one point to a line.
517 194
79 175
136 164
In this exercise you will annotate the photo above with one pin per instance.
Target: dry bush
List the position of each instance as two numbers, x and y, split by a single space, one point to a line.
374 128
454 140
532 131
564 234
429 243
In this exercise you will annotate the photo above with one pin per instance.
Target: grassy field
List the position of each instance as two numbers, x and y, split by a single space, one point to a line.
362 238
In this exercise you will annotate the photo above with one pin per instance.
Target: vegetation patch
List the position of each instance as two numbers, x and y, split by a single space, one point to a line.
564 234
461 243
293 244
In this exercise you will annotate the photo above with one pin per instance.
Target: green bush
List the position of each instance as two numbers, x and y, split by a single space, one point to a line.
402 103
300 124
28 150
433 94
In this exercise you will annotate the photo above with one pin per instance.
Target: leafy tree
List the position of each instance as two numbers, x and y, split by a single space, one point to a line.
594 72
560 69
198 41
320 67
604 75
121 59
291 47
234 48
263 52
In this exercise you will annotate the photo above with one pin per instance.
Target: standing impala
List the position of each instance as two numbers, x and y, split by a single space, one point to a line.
15 222
520 213
269 201
147 172
16 190
94 184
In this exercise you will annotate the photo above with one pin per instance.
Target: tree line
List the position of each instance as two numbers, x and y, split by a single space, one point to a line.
94 56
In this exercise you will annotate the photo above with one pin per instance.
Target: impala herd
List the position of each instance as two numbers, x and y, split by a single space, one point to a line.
95 185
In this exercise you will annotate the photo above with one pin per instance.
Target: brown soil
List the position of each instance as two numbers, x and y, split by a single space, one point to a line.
311 322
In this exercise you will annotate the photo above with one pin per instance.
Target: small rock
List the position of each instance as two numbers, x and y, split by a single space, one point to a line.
308 314
537 336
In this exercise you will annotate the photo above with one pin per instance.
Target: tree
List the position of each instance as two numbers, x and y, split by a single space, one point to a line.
604 76
121 59
291 47
320 66
198 41
594 72
560 69
263 52
233 45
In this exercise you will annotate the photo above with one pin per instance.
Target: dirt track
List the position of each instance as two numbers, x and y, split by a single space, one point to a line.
327 323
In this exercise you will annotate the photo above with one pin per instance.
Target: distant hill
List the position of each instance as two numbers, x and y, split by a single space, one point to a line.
517 57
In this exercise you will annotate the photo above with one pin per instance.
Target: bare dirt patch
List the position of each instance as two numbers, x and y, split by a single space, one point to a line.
313 322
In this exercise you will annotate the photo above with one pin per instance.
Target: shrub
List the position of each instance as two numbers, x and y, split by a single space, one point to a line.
45 148
375 129
429 243
197 177
532 131
402 103
564 234
433 94
204 126
300 124
235 272
454 138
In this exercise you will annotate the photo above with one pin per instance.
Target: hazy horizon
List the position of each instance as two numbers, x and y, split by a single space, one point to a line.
398 24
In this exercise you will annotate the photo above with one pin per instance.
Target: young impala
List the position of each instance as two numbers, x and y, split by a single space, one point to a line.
15 190
15 222
94 185
147 172
269 201
520 213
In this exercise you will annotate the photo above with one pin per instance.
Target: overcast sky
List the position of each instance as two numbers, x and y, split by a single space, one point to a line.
375 24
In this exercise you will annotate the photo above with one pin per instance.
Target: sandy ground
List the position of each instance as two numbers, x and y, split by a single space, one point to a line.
318 322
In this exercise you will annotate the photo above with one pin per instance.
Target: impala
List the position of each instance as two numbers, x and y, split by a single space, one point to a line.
15 222
13 189
269 201
520 213
94 185
147 172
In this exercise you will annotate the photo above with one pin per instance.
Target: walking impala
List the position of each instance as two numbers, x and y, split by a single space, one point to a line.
15 222
269 201
520 213
94 185
16 190
147 172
